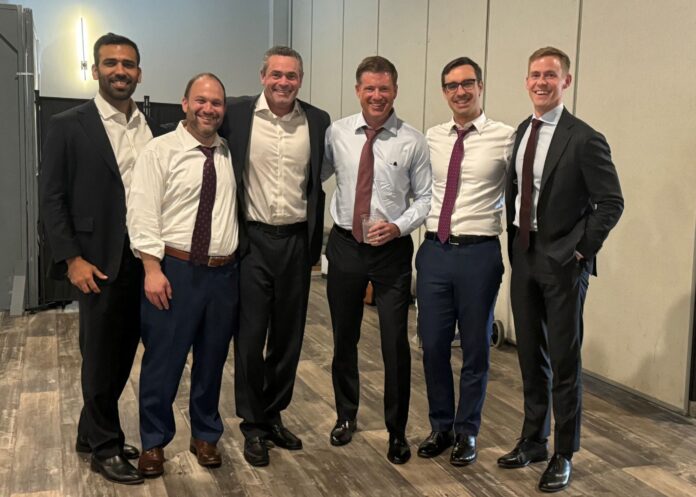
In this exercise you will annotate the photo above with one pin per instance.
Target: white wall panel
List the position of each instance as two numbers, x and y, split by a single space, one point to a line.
637 87
455 29
402 39
327 63
359 41
516 29
301 40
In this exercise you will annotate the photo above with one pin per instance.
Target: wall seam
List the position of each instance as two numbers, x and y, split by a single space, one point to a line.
577 57
425 73
343 56
485 49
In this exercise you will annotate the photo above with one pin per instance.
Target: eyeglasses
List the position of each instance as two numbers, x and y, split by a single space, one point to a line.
467 84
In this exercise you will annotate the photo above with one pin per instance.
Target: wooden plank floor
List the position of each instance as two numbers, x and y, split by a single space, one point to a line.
630 447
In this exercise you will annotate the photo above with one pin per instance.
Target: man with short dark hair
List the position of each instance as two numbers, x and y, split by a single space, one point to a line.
563 198
381 164
182 213
85 176
460 264
277 145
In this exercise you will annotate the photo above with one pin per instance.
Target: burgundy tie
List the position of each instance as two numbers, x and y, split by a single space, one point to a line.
453 173
527 182
363 187
200 242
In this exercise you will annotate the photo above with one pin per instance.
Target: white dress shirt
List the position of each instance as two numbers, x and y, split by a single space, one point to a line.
401 171
165 193
546 131
276 179
478 206
127 137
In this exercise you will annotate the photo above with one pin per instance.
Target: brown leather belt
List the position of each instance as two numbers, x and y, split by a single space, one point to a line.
212 261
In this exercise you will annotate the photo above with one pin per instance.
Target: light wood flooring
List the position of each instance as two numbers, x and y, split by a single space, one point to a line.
630 447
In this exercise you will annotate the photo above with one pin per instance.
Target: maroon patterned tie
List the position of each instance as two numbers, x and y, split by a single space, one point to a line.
200 242
363 188
526 188
453 173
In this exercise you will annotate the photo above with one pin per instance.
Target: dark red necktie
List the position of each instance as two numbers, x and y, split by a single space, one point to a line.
363 187
453 173
200 242
527 187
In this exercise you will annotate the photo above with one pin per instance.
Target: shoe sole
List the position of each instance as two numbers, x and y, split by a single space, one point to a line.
459 464
553 490
516 466
257 464
97 470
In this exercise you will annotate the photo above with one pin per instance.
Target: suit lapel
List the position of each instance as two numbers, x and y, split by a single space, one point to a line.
246 121
558 144
314 146
94 129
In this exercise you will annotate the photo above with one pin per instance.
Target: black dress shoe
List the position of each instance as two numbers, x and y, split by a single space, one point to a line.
399 452
284 438
526 451
342 432
82 446
436 443
464 451
116 469
256 452
557 474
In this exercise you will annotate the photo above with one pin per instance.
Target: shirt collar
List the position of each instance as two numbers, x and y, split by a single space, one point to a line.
553 116
478 124
189 141
390 125
108 111
262 107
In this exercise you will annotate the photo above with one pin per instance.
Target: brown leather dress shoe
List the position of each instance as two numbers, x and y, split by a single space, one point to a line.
206 453
151 462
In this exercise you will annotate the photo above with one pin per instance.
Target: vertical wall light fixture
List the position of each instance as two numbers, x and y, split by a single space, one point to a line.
82 47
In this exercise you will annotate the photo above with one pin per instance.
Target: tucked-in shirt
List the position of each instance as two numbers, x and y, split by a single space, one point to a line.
128 137
546 131
478 206
165 193
401 171
276 177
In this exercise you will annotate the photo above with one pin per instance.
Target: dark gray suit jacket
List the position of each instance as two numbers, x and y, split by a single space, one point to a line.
81 194
580 198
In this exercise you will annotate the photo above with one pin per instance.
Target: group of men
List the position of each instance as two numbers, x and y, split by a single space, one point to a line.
209 232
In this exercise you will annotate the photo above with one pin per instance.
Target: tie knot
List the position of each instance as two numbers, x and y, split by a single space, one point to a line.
207 151
536 123
371 134
461 133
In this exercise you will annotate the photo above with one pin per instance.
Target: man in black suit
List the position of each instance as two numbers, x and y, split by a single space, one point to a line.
277 144
569 199
83 183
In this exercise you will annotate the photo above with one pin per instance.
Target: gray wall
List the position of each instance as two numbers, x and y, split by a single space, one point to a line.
176 38
634 67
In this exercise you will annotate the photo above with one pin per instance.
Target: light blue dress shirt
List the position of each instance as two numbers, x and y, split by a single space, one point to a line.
402 177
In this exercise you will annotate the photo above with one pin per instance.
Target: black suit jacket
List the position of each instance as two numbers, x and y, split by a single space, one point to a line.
81 193
236 129
580 198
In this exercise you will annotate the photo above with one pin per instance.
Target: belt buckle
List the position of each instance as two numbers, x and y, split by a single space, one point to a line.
451 241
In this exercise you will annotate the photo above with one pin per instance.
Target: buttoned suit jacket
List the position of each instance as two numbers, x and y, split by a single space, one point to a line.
580 198
236 128
81 193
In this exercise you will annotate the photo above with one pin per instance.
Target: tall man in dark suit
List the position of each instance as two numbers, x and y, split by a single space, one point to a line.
84 180
277 145
568 200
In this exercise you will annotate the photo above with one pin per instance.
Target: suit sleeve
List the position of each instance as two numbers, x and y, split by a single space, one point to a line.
54 193
604 188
